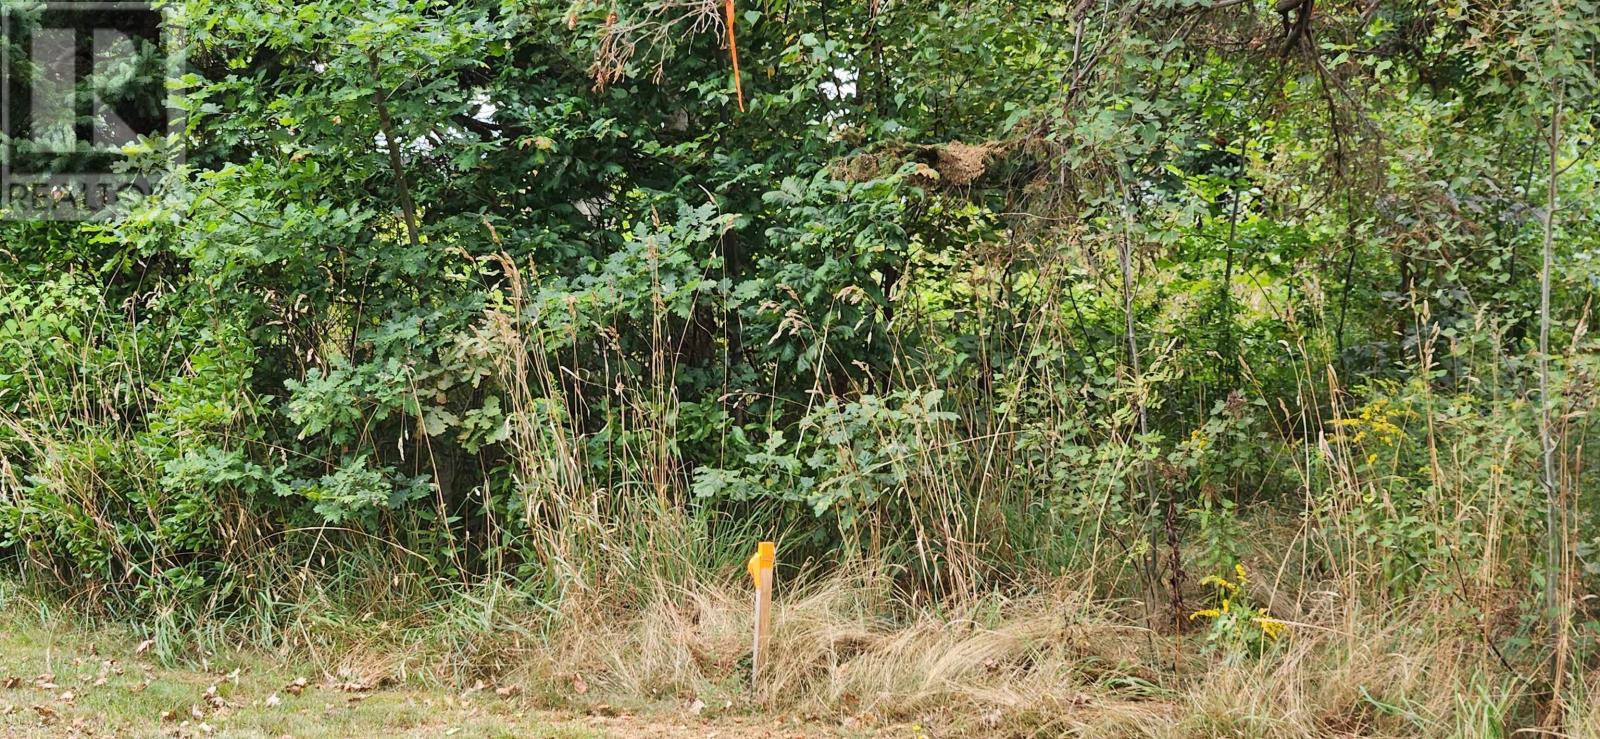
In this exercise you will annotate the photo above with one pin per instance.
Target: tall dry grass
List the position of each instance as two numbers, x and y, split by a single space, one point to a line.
847 653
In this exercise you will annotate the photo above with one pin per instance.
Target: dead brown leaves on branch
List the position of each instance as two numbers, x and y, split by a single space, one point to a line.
951 164
652 26
962 164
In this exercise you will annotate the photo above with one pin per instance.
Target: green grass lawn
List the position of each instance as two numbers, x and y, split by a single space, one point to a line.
68 681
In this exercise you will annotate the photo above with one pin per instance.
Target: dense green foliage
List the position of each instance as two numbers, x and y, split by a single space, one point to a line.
514 290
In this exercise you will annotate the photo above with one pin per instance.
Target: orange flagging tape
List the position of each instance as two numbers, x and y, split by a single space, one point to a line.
733 51
765 558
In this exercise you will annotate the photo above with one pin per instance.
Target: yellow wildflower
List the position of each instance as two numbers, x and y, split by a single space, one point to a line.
1220 582
1272 628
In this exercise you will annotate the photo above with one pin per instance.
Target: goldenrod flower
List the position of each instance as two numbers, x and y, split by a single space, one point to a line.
1220 582
1272 628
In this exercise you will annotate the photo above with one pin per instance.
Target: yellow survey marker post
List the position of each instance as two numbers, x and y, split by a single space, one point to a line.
760 569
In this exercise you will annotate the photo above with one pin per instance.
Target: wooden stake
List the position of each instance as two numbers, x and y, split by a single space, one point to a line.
760 568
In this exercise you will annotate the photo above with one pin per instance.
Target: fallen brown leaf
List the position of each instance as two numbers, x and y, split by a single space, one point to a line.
296 687
213 699
144 646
